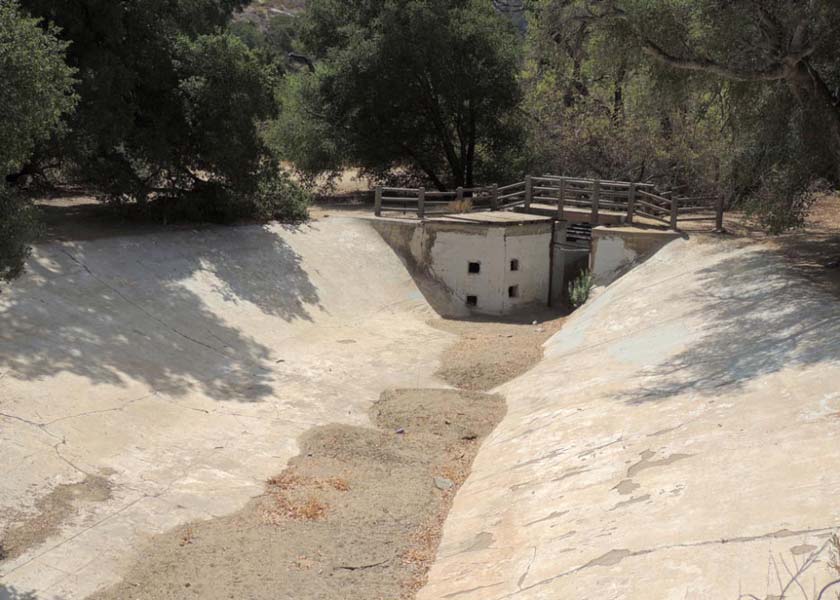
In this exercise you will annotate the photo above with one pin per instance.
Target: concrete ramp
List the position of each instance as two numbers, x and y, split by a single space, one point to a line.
680 440
177 370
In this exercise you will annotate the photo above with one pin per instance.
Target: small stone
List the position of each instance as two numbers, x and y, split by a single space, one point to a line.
444 484
400 431
534 323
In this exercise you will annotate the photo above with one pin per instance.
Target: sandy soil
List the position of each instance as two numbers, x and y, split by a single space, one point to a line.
489 353
356 515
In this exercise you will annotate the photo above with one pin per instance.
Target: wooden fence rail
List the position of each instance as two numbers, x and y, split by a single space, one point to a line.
596 195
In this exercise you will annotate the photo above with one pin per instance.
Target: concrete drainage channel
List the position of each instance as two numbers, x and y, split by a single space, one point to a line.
358 514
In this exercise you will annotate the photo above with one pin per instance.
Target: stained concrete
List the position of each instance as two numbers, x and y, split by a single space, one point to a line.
182 367
615 250
679 441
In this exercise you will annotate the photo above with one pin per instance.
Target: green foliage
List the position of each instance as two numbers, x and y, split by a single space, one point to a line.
35 93
700 96
35 86
425 88
272 41
580 288
170 103
18 225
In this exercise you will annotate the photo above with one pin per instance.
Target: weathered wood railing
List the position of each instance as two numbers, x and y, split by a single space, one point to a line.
425 202
599 196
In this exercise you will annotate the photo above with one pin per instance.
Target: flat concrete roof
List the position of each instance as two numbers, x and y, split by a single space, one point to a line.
502 218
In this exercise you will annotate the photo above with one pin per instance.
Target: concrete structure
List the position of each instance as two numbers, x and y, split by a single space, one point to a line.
679 441
486 263
617 249
182 366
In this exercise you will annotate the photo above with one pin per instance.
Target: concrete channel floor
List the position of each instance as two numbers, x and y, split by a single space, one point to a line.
679 441
181 367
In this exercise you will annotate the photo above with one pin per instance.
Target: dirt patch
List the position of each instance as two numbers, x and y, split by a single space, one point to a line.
52 511
357 515
489 353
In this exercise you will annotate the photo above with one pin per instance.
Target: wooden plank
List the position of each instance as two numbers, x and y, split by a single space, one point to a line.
596 200
609 182
377 203
561 215
649 205
505 188
398 199
421 203
674 214
512 204
528 190
395 189
707 218
631 202
649 216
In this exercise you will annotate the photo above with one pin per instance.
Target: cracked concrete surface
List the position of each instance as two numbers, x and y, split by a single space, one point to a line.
183 366
678 441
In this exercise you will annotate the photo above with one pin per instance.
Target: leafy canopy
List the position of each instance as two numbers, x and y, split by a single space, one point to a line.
426 88
170 103
35 93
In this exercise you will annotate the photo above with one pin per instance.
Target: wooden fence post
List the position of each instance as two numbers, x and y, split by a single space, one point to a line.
561 200
377 203
529 191
421 203
596 201
675 211
631 203
494 198
719 214
459 197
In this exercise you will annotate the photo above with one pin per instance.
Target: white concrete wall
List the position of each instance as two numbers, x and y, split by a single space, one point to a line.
493 247
616 249
610 255
532 251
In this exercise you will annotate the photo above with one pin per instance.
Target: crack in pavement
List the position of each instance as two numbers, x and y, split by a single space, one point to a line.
615 556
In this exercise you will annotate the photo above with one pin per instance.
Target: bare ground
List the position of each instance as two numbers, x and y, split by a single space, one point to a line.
356 515
488 352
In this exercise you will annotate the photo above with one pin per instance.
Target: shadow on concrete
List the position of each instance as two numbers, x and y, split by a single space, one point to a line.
761 316
132 308
12 593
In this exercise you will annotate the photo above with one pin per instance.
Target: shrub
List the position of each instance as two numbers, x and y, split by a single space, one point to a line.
18 225
580 288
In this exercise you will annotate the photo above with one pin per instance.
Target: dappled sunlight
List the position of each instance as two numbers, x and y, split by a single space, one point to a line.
138 308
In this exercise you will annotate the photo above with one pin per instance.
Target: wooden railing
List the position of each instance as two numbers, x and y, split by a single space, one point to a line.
599 196
424 203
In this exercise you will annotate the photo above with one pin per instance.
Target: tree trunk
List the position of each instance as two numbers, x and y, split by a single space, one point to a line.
809 87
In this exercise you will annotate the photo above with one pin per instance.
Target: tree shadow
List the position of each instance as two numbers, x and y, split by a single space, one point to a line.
138 308
12 593
760 316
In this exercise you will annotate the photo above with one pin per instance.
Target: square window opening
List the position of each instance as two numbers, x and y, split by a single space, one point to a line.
474 268
472 300
513 291
514 264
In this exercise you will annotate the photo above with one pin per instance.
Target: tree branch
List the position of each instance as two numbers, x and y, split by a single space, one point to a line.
773 73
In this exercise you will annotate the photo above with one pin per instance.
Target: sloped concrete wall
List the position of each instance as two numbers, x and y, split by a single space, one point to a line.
678 441
616 249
